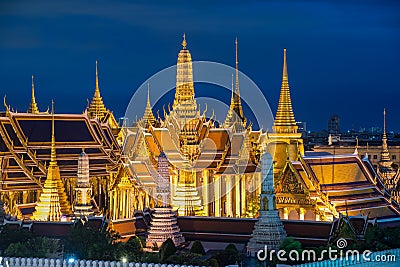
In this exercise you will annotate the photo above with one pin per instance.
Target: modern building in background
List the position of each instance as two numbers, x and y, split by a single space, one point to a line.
334 125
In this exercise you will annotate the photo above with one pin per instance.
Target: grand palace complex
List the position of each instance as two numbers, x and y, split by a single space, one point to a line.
58 166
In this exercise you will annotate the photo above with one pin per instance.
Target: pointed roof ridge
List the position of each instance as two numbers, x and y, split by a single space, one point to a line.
33 108
284 119
97 108
238 104
235 112
148 116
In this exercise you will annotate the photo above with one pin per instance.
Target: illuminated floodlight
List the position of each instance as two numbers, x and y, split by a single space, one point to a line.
124 259
71 260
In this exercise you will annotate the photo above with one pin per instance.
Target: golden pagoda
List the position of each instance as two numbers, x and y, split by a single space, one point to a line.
33 108
53 201
235 117
184 106
213 168
284 142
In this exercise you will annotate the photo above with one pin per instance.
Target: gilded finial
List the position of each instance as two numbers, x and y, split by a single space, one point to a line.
184 43
284 73
97 92
233 93
33 89
237 58
5 103
33 108
384 121
53 139
148 94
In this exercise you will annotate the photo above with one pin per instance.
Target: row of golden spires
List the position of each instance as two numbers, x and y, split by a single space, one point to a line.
284 119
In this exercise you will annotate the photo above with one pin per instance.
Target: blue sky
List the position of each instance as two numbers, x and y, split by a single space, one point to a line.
342 55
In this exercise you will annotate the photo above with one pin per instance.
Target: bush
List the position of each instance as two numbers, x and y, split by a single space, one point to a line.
231 247
133 248
150 257
167 249
89 243
197 248
8 236
40 247
228 256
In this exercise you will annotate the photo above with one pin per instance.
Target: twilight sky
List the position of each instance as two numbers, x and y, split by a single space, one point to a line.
343 58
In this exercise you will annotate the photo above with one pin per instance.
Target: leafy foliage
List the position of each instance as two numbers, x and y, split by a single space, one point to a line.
86 242
9 236
41 247
197 248
167 249
230 255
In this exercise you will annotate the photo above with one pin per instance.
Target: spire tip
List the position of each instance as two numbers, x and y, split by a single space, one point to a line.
184 43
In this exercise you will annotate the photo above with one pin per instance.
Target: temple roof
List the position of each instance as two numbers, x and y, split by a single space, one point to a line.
25 142
349 183
221 150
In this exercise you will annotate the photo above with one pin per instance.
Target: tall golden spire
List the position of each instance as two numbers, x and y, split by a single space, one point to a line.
235 113
238 105
385 169
97 108
53 200
184 106
33 108
284 119
148 116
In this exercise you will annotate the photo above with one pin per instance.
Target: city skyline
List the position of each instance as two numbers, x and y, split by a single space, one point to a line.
59 44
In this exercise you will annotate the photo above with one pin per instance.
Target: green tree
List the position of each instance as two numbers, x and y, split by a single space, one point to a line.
86 242
41 247
230 255
197 248
134 248
288 245
167 249
150 257
9 236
